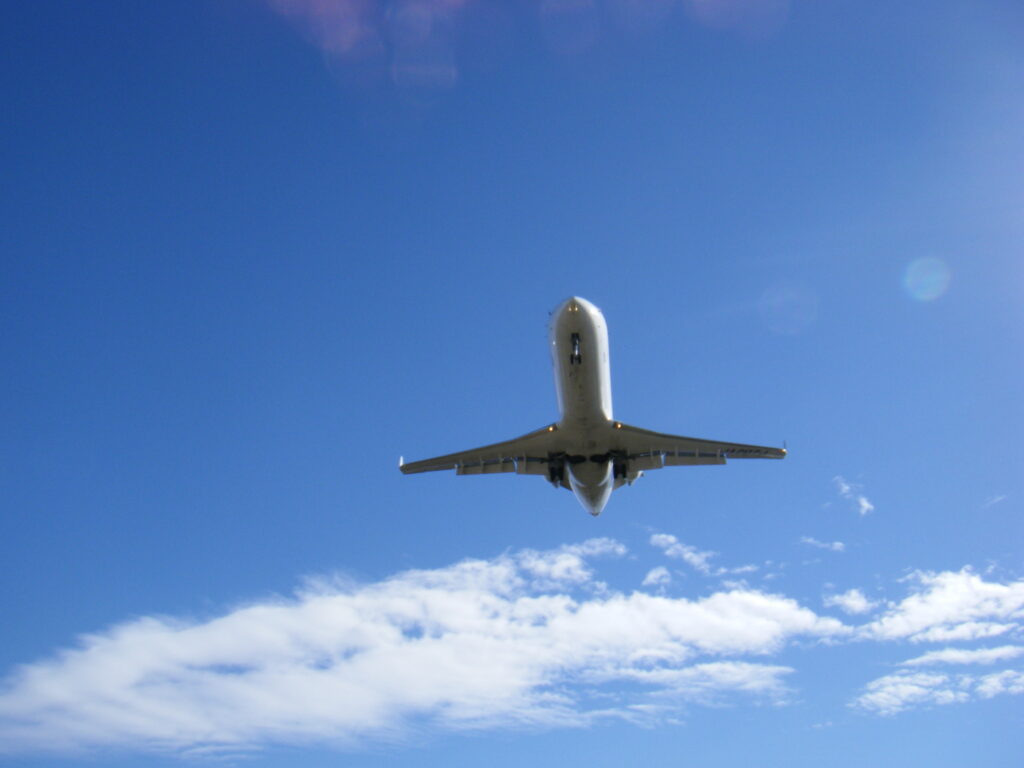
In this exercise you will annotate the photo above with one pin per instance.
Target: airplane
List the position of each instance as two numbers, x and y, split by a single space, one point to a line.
587 451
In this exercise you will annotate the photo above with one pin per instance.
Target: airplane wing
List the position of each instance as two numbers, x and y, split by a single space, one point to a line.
650 450
527 455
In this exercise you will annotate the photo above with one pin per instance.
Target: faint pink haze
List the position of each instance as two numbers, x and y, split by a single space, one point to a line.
640 15
413 42
758 18
413 39
339 27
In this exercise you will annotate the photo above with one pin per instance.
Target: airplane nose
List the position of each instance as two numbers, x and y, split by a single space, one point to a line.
575 304
591 485
596 505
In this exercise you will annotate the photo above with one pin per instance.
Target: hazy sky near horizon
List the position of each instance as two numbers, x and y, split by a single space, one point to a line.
256 250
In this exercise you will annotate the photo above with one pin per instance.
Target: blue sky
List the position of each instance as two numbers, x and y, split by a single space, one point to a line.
254 251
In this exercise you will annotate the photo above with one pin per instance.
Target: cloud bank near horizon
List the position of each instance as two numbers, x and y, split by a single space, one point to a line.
527 639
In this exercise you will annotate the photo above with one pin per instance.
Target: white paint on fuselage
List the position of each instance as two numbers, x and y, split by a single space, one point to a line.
579 352
584 385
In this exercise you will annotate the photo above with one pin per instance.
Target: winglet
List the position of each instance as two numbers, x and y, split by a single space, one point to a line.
401 461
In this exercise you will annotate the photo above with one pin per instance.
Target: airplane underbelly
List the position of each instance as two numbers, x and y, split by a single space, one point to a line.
579 348
592 483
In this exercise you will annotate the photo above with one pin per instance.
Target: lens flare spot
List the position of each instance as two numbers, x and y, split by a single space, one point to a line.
926 279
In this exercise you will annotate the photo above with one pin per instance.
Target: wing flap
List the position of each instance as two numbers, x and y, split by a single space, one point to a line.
526 455
677 460
677 450
492 467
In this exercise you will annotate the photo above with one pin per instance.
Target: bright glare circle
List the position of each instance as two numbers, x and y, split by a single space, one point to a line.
926 279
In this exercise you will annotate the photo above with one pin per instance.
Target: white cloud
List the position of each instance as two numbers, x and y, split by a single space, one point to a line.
964 656
521 639
852 492
1009 681
965 631
699 560
952 605
993 500
895 693
657 577
707 683
852 601
834 546
556 568
740 569
597 546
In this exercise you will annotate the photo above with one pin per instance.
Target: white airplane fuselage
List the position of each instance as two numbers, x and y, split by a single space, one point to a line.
586 450
579 353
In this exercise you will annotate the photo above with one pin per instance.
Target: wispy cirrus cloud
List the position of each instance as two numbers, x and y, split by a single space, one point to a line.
525 639
832 546
991 501
699 560
966 656
853 492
